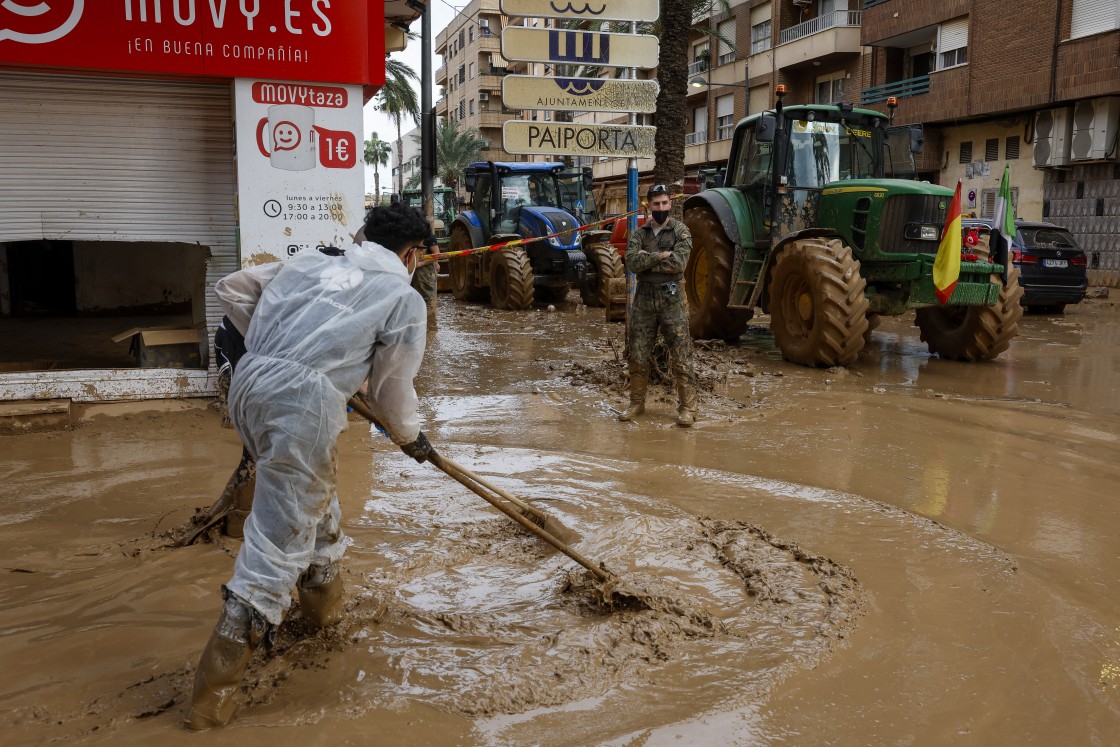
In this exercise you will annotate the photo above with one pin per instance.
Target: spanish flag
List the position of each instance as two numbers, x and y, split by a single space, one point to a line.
947 265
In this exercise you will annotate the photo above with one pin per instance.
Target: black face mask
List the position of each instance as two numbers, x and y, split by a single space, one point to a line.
660 216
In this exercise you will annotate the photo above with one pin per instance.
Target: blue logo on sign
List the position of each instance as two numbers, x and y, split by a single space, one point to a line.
578 46
572 9
578 86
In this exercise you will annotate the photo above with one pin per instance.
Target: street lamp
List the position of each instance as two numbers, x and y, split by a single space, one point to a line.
699 81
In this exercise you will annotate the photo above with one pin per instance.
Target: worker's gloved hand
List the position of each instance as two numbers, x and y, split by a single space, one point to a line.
420 449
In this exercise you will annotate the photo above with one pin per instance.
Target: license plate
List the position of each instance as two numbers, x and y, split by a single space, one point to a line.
1055 263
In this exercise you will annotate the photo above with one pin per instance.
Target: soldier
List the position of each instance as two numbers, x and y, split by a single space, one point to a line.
658 253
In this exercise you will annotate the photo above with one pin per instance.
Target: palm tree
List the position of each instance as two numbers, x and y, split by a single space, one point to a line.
455 150
377 155
398 99
672 72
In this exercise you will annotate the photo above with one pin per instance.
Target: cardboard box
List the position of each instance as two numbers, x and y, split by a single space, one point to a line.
164 347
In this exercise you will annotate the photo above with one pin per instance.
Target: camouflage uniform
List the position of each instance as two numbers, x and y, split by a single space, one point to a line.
659 304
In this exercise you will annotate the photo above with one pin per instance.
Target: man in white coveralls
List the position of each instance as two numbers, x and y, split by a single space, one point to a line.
318 327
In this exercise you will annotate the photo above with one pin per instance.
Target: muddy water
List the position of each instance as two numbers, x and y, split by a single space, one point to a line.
913 552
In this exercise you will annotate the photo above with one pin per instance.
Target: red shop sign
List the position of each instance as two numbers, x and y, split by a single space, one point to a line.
335 41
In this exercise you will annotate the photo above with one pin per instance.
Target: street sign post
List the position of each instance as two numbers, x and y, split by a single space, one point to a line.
563 47
579 94
563 138
598 10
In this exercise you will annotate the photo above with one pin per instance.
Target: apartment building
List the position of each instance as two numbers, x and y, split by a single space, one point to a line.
739 54
1034 84
470 78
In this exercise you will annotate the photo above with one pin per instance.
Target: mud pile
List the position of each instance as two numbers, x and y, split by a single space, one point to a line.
716 363
741 607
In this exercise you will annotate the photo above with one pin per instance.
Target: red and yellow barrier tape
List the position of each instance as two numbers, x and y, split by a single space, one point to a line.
521 242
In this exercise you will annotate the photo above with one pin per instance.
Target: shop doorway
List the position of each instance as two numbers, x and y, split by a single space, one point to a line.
62 302
41 278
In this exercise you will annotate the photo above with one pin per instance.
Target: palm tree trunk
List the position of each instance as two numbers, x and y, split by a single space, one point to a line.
672 73
376 185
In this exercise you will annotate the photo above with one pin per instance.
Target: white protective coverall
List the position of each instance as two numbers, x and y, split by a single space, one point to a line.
318 327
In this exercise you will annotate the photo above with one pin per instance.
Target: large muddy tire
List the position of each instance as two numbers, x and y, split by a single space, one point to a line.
463 285
511 280
708 279
818 310
607 264
973 333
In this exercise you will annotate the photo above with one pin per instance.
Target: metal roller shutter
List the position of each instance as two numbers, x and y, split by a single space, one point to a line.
100 159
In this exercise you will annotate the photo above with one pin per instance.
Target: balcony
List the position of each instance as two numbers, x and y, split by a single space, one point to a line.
839 18
441 75
695 138
898 89
697 67
822 39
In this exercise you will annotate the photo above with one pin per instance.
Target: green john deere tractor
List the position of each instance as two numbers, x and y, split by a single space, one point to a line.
804 224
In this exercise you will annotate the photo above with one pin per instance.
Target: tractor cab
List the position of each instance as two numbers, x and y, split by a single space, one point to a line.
529 201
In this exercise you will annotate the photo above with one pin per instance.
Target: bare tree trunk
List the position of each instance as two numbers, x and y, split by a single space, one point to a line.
672 73
376 185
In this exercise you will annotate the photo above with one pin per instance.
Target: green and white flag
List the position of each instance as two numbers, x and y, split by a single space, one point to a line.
1005 217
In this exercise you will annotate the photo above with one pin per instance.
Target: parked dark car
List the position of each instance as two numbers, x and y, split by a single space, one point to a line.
1052 266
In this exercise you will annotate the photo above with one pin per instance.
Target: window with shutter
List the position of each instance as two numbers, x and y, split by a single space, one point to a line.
1011 148
966 152
991 149
1093 17
725 117
726 31
952 43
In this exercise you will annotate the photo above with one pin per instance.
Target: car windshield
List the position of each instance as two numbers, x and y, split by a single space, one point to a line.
1046 238
823 152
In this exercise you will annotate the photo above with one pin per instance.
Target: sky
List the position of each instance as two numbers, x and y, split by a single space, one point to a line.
443 12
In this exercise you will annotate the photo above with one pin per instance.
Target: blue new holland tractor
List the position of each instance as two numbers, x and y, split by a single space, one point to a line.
526 200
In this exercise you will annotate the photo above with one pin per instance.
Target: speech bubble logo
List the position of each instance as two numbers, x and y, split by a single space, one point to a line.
285 136
38 22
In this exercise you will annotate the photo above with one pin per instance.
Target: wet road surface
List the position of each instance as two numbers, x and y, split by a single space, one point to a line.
914 551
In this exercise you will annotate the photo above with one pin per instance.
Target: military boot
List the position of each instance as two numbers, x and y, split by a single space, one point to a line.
686 412
639 383
320 595
221 668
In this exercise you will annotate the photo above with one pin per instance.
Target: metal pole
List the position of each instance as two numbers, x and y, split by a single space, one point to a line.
427 117
631 205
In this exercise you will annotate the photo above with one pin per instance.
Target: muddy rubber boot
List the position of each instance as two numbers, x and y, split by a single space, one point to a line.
639 383
221 668
686 412
320 595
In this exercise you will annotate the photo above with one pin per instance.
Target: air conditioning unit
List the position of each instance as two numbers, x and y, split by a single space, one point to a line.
1053 129
1094 129
803 3
483 96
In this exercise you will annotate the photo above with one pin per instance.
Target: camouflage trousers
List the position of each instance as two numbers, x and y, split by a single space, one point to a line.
661 308
425 281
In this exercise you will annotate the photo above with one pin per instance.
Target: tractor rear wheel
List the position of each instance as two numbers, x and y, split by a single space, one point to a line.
973 333
461 269
708 279
606 264
818 310
511 280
